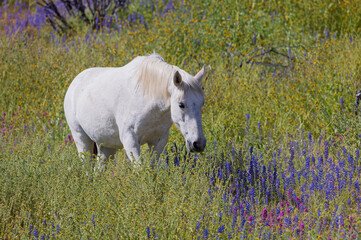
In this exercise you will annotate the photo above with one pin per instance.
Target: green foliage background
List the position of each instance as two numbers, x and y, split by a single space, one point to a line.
42 177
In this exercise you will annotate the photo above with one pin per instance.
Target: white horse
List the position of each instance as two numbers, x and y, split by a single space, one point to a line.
111 108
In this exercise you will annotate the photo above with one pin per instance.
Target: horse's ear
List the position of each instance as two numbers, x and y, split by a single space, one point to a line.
200 75
177 79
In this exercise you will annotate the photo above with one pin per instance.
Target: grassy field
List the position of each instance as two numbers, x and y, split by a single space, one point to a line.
282 159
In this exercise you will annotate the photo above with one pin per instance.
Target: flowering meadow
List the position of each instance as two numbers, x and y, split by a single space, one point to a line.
283 153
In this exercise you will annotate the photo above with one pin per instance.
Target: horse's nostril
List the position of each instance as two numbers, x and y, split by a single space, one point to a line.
196 145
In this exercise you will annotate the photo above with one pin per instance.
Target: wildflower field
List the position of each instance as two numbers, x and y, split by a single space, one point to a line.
283 154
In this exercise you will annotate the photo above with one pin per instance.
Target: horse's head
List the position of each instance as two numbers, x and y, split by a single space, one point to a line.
187 100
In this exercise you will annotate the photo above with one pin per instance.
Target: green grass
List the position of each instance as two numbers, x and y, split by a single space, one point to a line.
44 184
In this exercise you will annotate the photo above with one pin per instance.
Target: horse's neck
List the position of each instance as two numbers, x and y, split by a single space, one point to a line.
160 106
157 114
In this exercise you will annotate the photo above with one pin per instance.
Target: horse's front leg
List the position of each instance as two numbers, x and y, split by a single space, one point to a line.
131 146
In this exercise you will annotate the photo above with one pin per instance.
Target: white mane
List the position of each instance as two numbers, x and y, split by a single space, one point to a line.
154 77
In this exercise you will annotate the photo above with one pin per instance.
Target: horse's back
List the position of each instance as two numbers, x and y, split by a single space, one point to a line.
87 77
93 79
100 77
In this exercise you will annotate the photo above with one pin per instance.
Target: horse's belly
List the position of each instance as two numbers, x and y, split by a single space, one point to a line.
100 126
104 133
108 138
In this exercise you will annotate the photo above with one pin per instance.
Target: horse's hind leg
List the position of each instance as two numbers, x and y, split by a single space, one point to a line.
105 154
83 142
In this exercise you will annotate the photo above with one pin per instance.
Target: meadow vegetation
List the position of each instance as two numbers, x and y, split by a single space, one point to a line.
282 159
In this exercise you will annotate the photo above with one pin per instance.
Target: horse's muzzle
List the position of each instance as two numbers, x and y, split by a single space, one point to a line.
197 146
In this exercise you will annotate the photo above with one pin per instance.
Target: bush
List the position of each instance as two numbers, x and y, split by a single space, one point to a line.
96 13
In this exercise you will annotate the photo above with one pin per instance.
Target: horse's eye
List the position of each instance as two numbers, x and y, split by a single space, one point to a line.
181 105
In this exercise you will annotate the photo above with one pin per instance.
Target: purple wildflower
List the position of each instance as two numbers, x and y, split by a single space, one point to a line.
282 213
221 229
341 102
205 234
35 232
302 226
264 214
148 232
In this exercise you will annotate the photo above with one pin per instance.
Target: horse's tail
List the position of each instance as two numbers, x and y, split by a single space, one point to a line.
95 150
